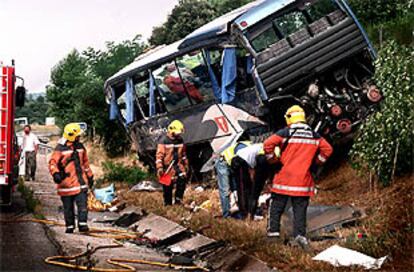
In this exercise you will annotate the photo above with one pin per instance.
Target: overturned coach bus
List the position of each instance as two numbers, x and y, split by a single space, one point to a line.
239 73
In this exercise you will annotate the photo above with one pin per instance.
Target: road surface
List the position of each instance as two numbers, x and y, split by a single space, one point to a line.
24 245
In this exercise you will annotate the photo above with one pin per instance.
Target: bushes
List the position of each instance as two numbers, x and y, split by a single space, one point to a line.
385 142
116 172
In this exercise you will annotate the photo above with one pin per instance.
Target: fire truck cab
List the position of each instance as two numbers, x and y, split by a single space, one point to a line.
10 97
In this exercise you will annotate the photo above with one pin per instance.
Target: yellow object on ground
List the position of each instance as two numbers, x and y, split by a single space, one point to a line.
96 205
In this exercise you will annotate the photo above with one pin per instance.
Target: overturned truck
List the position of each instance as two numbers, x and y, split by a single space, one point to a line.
238 74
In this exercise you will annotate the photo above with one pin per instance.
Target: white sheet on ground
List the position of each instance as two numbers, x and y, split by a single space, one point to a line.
340 256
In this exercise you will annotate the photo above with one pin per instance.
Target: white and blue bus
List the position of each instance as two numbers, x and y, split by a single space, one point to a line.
239 73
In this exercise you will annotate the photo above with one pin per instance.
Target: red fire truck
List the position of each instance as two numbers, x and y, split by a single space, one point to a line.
10 97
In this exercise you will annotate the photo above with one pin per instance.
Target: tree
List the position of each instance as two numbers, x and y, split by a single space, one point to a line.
187 16
225 6
76 92
34 108
66 78
385 145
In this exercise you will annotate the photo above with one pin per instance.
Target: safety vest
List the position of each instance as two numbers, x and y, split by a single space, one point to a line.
229 153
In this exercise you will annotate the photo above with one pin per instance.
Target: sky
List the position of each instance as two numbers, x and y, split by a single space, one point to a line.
39 33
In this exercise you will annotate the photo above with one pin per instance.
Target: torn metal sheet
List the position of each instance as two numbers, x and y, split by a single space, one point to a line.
193 244
322 218
231 259
147 186
160 229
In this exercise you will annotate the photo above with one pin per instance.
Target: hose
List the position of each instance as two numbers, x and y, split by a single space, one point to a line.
103 233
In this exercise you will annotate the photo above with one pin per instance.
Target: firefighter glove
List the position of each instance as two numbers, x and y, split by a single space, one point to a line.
90 181
160 172
57 178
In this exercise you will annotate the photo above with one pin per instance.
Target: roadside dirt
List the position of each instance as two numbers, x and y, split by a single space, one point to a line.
388 225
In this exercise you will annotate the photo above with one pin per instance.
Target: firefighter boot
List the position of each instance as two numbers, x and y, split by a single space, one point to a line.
70 229
83 227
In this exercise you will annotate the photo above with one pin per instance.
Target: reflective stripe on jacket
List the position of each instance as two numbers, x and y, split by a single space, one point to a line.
70 160
304 148
169 150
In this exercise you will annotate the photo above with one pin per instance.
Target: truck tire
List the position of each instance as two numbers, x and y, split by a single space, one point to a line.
6 195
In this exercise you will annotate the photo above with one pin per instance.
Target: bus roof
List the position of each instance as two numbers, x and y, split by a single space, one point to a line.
250 13
143 62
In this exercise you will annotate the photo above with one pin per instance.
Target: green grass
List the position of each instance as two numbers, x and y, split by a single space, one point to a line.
117 172
32 204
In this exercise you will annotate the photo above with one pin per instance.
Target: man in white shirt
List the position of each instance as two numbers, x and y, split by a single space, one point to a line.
30 146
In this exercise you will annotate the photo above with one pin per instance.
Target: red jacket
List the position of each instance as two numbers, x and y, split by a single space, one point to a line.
305 147
75 166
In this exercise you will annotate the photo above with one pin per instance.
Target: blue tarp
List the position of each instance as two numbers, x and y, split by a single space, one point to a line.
151 95
214 83
129 101
113 108
106 194
229 75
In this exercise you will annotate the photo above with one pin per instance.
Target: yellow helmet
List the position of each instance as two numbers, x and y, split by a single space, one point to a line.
176 127
295 114
71 131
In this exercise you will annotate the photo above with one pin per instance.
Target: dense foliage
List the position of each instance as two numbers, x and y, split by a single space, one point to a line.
189 15
35 108
117 172
385 145
386 19
76 92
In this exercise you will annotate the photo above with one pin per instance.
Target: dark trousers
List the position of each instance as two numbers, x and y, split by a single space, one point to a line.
262 172
240 170
179 192
81 200
277 206
30 165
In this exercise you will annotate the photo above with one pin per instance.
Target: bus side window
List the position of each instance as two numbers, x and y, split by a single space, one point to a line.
265 39
170 86
142 95
291 22
320 9
122 104
195 75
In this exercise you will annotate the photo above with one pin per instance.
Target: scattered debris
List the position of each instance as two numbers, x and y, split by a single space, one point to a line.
340 256
95 205
199 189
147 186
322 219
106 194
127 220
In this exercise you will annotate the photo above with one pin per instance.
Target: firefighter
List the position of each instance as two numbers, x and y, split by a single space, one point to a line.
171 159
69 166
300 148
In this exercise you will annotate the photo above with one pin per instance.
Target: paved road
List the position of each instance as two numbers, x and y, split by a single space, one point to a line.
23 245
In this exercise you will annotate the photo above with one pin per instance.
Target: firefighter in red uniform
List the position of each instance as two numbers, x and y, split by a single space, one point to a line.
69 166
171 158
301 147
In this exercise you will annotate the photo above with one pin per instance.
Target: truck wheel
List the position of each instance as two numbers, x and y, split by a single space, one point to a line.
5 195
